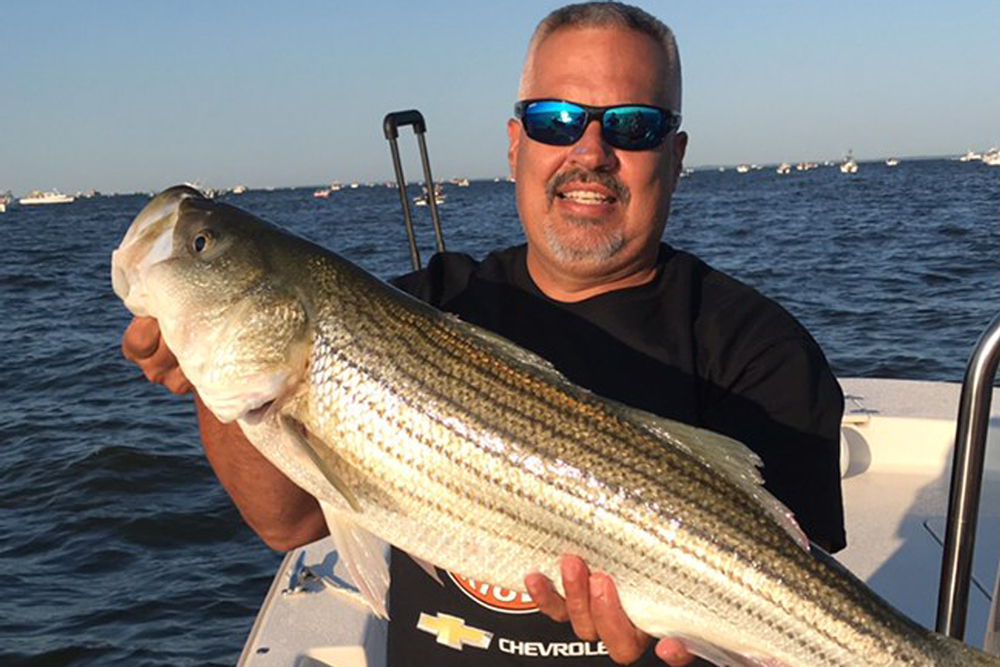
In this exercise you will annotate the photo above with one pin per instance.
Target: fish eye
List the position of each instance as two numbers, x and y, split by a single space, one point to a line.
202 240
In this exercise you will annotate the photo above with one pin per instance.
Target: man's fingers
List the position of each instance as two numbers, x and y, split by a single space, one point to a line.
625 643
142 337
576 583
177 382
143 345
673 652
545 596
158 365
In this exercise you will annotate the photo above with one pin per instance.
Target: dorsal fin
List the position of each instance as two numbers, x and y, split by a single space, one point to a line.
725 455
729 457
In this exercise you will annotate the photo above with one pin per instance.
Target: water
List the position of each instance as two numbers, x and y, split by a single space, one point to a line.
117 546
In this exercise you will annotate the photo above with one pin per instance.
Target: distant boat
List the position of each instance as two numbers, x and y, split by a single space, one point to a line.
992 157
421 200
970 156
239 189
805 166
743 168
45 197
891 162
5 199
849 166
784 168
211 193
322 193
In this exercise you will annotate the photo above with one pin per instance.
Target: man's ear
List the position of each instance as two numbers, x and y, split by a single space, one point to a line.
679 148
513 139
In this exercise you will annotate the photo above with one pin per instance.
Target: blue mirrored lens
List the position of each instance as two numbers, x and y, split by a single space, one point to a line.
557 123
634 128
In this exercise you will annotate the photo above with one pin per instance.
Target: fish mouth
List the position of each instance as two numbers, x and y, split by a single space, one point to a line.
148 241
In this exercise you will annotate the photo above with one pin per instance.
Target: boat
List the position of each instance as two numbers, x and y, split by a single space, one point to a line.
421 199
36 197
892 162
970 156
849 166
992 157
5 200
322 193
239 189
896 450
784 168
209 192
742 168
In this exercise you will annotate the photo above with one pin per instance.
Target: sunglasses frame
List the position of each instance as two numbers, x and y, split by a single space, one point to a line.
593 113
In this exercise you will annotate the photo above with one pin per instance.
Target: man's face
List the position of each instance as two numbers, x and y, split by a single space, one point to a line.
589 209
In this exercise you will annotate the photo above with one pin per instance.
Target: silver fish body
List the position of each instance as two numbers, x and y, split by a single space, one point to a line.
476 456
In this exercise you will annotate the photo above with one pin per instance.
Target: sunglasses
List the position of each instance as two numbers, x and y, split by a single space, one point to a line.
631 127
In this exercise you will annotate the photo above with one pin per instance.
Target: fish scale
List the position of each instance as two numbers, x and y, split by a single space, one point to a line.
478 457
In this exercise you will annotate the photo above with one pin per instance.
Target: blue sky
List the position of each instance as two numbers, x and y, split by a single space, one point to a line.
133 95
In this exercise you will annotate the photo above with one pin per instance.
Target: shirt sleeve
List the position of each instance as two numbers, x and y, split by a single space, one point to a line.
445 275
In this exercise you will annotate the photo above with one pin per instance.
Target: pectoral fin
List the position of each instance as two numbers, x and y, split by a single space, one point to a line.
298 434
364 557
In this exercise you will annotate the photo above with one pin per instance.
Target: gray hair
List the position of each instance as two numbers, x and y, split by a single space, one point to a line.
608 15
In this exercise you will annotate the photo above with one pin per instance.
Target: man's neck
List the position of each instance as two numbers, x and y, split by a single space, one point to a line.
570 286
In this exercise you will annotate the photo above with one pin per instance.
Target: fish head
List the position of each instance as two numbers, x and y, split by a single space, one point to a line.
212 276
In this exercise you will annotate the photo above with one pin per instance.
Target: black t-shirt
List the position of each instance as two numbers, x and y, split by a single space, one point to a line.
693 345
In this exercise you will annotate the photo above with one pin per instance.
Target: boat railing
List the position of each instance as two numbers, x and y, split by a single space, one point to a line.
393 121
966 483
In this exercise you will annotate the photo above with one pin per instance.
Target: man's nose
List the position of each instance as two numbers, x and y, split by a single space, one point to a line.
592 151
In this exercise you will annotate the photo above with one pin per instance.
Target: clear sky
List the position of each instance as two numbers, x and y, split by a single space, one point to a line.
126 95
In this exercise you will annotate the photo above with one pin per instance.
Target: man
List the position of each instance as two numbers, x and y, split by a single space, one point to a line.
596 155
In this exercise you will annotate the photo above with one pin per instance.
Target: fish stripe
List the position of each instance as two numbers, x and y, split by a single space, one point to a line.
439 475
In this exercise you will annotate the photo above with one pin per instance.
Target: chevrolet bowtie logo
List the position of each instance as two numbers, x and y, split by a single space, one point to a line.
453 632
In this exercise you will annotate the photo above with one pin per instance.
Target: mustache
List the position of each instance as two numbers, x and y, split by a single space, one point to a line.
578 175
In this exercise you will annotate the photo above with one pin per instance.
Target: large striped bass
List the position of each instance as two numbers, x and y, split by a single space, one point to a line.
478 457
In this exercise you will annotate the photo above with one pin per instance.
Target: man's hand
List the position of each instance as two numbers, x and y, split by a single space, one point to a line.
592 606
143 345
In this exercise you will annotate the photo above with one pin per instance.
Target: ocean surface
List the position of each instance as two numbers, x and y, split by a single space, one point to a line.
118 547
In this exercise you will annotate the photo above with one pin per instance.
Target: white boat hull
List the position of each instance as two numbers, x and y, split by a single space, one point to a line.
48 199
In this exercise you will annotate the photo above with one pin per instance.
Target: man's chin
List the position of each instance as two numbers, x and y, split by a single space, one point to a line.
585 247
